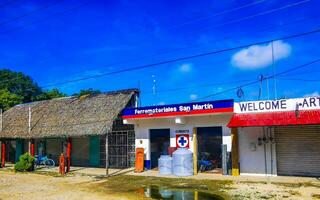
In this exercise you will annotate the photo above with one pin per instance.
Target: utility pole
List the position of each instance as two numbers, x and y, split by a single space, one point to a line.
154 89
274 71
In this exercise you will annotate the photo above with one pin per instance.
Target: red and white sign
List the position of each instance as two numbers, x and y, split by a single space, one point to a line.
182 140
281 105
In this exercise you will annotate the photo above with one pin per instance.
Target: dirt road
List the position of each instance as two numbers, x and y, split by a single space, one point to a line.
33 187
51 186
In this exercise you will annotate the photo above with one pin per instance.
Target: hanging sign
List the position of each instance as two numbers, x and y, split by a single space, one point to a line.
182 140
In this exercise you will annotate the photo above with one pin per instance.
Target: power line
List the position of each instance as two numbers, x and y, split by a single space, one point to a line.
195 86
188 47
234 21
250 16
45 18
265 78
217 14
299 79
206 44
182 58
303 73
30 13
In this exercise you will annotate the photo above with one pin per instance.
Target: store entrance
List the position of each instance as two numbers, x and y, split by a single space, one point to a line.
209 149
160 141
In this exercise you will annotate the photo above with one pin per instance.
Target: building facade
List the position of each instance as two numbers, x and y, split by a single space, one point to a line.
278 137
201 127
77 126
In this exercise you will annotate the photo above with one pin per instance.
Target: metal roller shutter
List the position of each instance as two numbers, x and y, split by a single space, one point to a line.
298 150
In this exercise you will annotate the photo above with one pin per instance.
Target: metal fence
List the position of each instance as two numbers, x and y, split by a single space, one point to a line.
121 149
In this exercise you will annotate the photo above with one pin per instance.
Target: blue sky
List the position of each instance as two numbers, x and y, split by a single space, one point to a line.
66 40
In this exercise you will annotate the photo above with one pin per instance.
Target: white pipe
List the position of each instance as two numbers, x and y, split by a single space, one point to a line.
29 122
0 120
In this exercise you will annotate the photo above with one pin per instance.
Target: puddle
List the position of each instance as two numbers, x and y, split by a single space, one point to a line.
155 192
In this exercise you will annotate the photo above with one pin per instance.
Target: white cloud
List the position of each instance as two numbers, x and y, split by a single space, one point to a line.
316 93
185 68
260 56
193 96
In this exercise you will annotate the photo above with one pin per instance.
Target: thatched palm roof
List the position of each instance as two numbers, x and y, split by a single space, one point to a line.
70 116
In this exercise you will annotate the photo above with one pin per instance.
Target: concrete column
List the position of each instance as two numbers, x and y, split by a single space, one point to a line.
195 152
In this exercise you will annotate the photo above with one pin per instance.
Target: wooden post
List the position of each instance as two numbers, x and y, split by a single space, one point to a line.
68 154
195 152
3 153
235 152
107 155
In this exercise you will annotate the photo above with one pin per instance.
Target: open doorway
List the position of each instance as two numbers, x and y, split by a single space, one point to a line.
209 149
10 151
160 142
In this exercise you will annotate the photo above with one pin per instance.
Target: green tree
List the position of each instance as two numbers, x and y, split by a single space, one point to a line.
87 91
19 84
50 94
8 99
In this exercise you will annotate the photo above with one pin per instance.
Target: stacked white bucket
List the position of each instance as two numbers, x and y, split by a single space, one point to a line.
181 163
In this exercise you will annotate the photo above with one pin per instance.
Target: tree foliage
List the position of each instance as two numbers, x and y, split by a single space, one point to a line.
19 84
17 88
87 91
8 99
50 94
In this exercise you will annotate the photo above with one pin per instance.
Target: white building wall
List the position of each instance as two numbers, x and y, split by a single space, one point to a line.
256 159
142 127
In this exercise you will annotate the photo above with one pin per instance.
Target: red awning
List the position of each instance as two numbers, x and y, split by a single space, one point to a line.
275 118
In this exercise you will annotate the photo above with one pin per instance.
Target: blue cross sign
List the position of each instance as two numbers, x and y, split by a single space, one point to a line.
182 141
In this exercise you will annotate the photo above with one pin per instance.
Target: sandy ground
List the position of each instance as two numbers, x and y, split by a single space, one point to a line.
50 186
33 186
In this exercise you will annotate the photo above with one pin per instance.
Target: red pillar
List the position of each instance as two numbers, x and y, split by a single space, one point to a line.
69 154
3 154
32 147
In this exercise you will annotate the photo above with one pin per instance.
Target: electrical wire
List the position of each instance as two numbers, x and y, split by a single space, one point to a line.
168 50
188 47
30 13
250 16
226 23
217 14
195 86
265 78
45 18
179 59
299 79
182 58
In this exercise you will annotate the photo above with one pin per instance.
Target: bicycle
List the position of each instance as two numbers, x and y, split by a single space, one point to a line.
43 161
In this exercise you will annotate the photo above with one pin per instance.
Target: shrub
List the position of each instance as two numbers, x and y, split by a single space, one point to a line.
25 163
